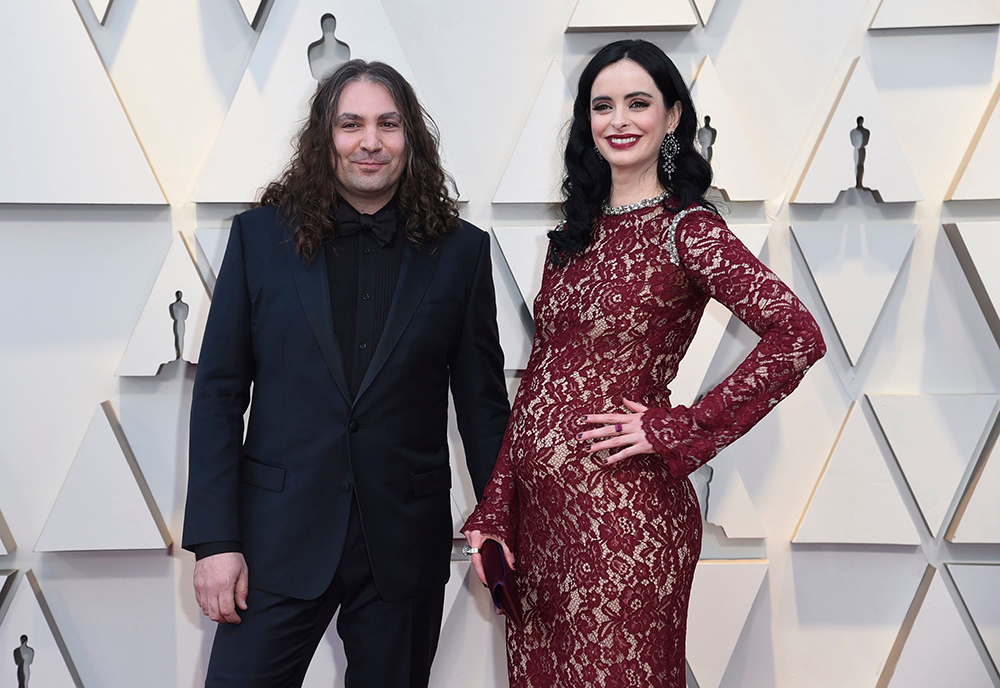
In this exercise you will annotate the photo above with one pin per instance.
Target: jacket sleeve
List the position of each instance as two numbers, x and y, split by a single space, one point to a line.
718 263
220 398
477 378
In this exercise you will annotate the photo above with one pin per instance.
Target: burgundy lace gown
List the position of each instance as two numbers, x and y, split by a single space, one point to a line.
605 556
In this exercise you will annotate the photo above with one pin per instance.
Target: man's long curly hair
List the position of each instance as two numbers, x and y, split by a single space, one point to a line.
306 192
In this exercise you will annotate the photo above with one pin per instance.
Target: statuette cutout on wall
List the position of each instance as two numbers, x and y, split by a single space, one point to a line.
269 111
855 500
722 595
24 655
854 267
919 14
7 544
728 503
934 438
329 52
857 140
633 15
172 323
29 635
721 138
535 169
104 503
48 156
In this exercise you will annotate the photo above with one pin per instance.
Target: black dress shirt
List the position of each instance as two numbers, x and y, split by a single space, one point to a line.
363 261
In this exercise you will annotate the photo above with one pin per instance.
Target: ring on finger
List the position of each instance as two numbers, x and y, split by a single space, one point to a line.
618 428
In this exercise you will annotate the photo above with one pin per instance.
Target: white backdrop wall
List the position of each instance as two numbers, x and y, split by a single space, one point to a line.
75 278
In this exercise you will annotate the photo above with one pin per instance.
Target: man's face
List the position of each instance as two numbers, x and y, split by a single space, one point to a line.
370 148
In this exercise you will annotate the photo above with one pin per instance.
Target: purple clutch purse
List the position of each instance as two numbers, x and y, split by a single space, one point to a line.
500 581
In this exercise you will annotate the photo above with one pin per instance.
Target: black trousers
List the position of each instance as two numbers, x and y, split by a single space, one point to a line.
388 644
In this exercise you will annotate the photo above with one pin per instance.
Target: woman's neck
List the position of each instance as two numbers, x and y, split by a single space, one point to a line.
628 186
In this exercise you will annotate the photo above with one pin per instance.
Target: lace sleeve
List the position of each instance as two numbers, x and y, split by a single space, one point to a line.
717 263
497 512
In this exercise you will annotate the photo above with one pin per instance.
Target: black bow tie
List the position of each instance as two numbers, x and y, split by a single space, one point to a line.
381 225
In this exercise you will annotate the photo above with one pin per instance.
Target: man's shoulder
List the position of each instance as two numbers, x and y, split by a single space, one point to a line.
465 237
261 216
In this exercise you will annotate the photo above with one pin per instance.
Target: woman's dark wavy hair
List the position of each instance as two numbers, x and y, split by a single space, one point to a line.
587 182
306 192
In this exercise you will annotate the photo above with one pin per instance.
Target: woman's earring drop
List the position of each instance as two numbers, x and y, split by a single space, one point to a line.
598 151
670 149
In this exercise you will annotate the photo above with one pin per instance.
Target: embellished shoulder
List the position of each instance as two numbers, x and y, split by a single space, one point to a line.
673 223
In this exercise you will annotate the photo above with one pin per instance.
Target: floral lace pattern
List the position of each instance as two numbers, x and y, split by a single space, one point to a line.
605 556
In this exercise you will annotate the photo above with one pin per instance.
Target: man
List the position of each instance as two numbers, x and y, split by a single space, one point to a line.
349 298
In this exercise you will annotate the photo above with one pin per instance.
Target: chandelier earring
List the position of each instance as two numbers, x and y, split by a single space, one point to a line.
669 150
598 151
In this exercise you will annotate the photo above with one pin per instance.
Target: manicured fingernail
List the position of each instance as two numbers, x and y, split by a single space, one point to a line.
604 461
583 418
579 435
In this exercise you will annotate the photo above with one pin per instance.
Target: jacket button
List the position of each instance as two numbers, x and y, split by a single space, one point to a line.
345 486
354 427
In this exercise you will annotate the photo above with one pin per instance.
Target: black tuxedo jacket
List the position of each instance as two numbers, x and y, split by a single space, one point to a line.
284 492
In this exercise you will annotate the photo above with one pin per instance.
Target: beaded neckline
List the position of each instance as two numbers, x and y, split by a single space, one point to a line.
638 205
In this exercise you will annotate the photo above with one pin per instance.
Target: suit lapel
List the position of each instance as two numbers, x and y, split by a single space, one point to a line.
314 290
414 275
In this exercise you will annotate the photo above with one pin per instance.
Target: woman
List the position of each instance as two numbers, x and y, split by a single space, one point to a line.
593 497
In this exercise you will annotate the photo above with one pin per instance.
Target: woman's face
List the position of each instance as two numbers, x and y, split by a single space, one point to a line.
628 116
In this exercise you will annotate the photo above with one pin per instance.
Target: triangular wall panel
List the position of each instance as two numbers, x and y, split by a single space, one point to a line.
251 8
832 165
722 595
937 649
686 386
29 615
854 267
273 97
55 153
978 176
704 8
213 242
104 503
855 500
169 320
934 438
7 579
455 586
977 519
729 504
918 14
101 8
978 585
535 169
734 172
7 544
632 15
524 249
977 247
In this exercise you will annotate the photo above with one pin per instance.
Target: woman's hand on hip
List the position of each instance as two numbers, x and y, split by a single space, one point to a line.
621 431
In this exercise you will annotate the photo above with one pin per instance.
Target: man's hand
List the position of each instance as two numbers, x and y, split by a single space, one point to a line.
220 585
